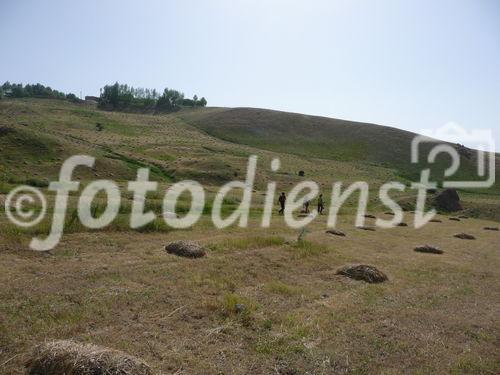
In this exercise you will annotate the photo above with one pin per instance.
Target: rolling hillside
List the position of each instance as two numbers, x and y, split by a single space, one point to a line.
321 137
210 145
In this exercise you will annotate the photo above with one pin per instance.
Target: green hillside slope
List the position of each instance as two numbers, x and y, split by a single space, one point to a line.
320 137
210 145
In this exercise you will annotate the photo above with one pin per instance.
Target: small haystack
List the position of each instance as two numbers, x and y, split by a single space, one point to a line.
428 249
67 357
448 200
363 272
454 219
367 228
369 216
465 236
491 228
435 221
335 232
187 249
402 225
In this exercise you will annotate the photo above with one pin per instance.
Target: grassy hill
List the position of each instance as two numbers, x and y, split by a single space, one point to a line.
38 134
210 145
321 137
207 143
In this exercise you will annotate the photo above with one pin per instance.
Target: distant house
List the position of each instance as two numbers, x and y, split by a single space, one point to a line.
91 99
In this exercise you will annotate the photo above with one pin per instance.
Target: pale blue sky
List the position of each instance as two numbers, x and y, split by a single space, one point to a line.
408 64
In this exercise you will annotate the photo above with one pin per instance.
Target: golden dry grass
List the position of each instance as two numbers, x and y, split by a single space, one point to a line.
73 358
436 314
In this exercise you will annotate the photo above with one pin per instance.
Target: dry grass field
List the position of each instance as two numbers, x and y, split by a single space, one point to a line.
437 314
261 301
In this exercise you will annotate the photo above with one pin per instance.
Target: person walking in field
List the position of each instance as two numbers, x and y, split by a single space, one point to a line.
306 206
321 205
281 201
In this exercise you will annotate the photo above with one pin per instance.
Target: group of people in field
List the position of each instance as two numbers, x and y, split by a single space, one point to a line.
307 202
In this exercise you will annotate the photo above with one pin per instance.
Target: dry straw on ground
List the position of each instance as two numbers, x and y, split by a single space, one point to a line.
363 272
464 236
367 228
428 249
335 232
491 228
187 249
67 357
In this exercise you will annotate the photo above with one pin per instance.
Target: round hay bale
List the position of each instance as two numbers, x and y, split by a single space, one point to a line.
335 232
428 249
363 272
492 228
187 249
465 236
67 357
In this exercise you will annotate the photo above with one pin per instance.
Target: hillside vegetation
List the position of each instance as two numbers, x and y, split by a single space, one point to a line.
321 137
210 145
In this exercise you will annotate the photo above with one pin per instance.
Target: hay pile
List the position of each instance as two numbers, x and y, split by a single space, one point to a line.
370 216
402 225
454 219
465 236
367 228
491 228
435 221
363 272
67 357
448 200
335 232
428 249
187 249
